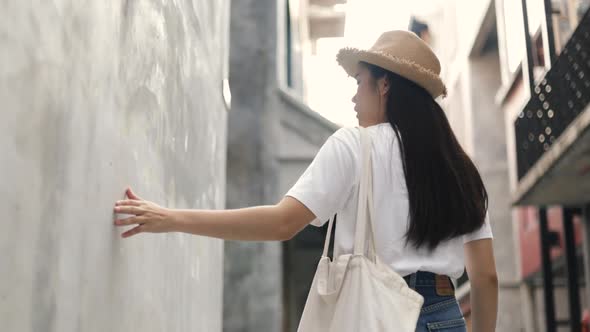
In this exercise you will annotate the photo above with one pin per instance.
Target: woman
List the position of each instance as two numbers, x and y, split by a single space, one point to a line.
429 200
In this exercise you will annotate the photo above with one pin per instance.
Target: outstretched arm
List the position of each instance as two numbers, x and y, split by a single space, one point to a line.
261 223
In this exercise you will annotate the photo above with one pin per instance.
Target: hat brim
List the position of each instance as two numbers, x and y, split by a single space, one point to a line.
349 58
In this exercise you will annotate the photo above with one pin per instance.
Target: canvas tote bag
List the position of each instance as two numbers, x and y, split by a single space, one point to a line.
357 292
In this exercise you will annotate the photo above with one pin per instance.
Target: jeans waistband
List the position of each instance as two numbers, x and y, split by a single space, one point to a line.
422 278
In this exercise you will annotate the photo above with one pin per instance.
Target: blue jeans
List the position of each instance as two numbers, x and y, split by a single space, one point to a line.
440 311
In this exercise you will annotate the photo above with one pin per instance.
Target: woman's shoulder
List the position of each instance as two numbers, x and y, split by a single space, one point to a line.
347 138
347 134
351 135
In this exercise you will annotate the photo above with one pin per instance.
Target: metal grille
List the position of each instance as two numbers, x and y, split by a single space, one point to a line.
563 93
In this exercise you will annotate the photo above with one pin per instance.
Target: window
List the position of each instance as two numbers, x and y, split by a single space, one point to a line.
515 49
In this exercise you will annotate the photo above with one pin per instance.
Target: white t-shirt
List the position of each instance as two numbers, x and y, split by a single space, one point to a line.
331 185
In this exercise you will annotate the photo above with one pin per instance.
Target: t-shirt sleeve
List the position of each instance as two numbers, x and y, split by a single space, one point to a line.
484 232
327 182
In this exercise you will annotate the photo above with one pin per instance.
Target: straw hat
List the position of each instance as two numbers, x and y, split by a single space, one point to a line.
403 53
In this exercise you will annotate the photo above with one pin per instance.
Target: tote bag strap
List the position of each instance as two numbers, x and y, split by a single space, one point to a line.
365 201
328 237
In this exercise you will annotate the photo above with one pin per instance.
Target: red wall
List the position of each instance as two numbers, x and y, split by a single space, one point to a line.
529 236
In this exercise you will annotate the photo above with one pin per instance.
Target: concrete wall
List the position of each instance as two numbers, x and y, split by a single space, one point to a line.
97 95
454 25
489 154
253 276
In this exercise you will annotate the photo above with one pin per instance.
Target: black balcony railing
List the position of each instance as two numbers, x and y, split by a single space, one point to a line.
556 101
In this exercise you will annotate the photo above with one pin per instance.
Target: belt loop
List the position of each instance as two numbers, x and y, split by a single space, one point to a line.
413 278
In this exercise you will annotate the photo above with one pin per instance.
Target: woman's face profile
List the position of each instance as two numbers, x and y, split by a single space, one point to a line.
367 106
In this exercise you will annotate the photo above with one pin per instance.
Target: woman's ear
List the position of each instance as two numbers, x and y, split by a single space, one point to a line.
384 86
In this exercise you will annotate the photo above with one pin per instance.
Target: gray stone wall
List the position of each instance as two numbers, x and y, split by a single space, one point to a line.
98 95
252 280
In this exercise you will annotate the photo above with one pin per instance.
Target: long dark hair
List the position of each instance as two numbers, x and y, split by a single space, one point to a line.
447 197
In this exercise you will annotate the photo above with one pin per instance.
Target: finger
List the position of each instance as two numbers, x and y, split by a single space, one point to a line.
132 195
132 232
128 202
129 221
129 210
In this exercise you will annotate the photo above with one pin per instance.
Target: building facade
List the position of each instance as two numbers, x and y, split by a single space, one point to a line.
544 96
526 83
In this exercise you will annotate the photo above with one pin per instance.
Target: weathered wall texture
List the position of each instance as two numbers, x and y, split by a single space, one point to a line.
94 96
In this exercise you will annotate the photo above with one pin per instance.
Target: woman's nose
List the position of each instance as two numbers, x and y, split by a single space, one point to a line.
353 99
